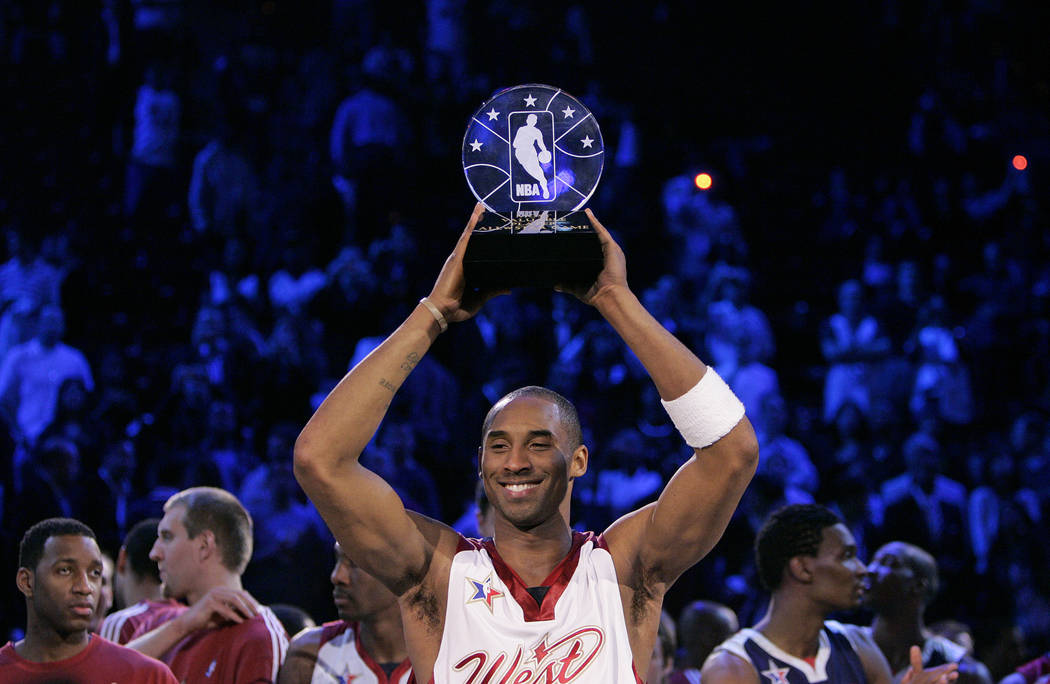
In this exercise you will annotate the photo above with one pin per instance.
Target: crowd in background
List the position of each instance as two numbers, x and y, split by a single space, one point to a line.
213 209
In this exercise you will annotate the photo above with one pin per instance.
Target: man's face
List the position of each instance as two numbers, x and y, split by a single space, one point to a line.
105 597
527 462
357 594
838 575
175 554
64 587
890 577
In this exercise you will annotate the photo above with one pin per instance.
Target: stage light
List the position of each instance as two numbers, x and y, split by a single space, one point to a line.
703 181
1020 162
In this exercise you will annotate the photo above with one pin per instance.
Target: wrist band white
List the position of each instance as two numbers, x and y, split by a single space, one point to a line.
707 412
438 316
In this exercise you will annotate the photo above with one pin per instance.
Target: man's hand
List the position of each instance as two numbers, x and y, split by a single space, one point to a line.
614 269
220 606
450 293
935 675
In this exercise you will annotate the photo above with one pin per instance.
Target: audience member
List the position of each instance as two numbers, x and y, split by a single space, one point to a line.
702 626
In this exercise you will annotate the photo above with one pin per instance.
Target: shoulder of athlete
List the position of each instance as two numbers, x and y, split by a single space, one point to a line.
723 667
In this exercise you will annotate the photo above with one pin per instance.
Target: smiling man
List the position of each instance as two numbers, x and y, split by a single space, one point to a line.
537 601
204 543
60 574
366 645
807 558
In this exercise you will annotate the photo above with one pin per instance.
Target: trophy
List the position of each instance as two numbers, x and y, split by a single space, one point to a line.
532 155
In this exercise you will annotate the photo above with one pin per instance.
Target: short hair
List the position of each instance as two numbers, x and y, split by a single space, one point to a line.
570 419
924 566
794 530
211 508
137 546
31 549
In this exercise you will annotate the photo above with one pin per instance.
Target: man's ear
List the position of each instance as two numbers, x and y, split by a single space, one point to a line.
24 580
122 561
206 545
578 462
800 570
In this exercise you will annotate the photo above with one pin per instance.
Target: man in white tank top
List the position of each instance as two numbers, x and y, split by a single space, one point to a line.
536 602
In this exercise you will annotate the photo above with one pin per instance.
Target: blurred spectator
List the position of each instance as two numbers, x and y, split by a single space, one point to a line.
783 458
701 626
27 283
32 373
224 192
850 341
150 181
942 382
734 323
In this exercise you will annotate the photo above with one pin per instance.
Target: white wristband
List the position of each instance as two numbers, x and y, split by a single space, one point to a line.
707 412
436 312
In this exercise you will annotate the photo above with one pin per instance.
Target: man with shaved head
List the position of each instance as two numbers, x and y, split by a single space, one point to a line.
902 582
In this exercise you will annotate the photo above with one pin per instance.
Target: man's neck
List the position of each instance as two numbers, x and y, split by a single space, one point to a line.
793 623
44 644
139 591
533 554
383 635
896 633
220 579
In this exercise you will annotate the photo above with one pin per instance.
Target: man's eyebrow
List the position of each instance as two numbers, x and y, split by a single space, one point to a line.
540 433
503 434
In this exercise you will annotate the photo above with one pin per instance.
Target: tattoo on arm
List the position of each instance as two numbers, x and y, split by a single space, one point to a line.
387 384
410 361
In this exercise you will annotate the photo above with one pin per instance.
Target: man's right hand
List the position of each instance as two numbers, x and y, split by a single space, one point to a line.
450 293
934 675
219 606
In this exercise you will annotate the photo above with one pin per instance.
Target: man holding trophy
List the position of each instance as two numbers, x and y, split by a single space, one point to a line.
537 602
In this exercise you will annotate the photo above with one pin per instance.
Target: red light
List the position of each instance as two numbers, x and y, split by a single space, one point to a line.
703 181
1020 163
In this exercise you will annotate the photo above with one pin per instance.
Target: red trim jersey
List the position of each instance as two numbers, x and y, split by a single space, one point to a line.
250 652
101 662
134 621
495 631
341 658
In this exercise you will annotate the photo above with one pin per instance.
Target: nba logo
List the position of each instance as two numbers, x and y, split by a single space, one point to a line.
532 167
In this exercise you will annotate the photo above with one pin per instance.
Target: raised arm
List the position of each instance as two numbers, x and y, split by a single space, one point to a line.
666 538
362 510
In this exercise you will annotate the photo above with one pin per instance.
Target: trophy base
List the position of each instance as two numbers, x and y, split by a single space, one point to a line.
532 249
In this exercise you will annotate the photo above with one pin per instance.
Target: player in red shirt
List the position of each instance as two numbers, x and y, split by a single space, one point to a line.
204 543
137 585
365 646
60 574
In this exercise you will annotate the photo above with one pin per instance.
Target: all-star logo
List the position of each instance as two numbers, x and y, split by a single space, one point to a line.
777 675
483 591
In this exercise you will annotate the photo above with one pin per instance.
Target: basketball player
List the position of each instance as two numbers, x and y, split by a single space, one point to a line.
60 574
525 141
137 584
537 601
204 542
807 558
902 581
365 646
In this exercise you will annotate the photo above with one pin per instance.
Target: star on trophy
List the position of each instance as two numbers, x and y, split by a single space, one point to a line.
532 154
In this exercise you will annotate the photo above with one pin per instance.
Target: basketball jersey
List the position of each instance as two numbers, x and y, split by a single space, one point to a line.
249 651
341 659
495 631
100 662
134 621
837 661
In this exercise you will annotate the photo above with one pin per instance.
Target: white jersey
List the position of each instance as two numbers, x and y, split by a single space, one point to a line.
341 659
495 631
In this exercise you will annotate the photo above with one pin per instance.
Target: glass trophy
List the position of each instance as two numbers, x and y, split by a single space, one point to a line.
532 154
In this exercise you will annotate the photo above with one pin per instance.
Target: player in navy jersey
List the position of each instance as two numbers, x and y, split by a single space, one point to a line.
902 581
808 559
60 575
366 645
536 602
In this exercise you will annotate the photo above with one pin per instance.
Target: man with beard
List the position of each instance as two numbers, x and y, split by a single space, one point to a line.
365 646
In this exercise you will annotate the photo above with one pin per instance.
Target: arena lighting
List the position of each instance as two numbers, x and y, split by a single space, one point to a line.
1020 162
703 181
